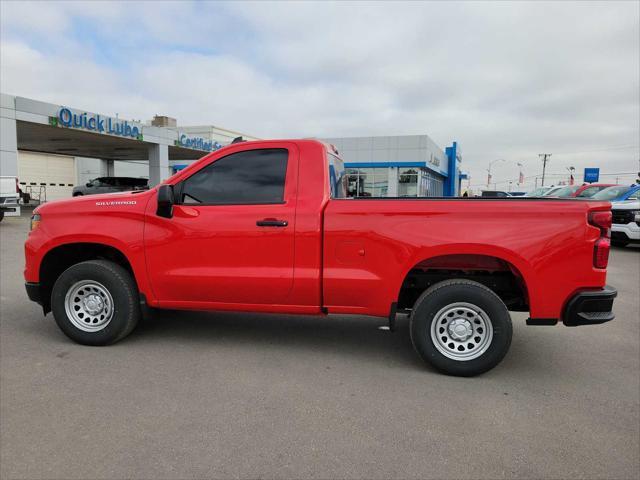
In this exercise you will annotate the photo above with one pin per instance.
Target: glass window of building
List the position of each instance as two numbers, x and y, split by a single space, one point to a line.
367 182
408 182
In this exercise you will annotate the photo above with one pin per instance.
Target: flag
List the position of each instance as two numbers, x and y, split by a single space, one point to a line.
521 178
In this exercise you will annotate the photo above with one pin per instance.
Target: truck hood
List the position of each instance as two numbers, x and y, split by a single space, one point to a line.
95 202
626 205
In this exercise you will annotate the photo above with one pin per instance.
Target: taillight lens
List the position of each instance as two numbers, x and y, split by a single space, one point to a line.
601 253
602 220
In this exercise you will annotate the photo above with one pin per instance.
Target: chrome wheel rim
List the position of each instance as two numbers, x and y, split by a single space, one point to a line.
461 331
89 306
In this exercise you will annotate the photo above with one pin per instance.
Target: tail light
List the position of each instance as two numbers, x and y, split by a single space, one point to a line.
601 253
602 220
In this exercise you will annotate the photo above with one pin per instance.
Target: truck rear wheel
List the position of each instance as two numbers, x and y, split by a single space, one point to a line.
461 327
95 302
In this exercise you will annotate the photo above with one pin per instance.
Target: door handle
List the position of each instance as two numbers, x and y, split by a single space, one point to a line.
271 222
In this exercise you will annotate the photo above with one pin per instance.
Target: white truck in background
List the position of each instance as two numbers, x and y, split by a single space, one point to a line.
625 228
9 197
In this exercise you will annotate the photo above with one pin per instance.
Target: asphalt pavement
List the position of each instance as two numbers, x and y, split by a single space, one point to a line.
225 395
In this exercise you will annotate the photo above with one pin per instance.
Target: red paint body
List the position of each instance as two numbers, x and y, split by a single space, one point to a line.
335 255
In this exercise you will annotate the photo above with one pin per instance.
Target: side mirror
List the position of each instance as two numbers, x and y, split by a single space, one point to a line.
165 201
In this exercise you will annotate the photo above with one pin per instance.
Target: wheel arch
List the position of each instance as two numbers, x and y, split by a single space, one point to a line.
502 271
63 256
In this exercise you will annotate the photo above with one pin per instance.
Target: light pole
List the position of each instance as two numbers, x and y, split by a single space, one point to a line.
489 169
545 159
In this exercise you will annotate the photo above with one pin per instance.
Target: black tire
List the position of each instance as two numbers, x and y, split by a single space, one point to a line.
434 301
119 284
77 194
619 243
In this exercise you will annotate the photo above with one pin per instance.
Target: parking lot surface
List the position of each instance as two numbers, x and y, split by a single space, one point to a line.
201 395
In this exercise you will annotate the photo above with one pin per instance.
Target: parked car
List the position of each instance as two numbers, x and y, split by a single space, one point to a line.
567 191
618 193
540 191
111 185
9 195
494 193
588 190
552 191
625 226
234 231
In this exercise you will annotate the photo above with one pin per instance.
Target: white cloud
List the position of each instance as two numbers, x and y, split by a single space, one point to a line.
507 80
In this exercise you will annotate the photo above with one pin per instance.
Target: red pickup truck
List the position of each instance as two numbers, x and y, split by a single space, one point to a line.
267 227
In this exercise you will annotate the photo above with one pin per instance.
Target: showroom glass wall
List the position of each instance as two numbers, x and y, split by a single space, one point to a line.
409 182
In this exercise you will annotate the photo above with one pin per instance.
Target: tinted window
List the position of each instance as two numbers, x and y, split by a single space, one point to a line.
254 176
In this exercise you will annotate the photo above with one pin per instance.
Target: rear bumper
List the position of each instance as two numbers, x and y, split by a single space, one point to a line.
590 307
33 292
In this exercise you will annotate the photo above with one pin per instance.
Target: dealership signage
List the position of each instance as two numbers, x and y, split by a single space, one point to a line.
197 143
97 123
433 160
591 175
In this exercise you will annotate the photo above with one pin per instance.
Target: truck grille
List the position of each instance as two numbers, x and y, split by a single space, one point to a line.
621 217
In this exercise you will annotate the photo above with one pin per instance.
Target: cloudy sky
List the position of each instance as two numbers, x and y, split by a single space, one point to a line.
506 80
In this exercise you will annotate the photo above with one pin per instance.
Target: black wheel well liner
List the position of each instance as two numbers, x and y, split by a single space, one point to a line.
499 275
58 259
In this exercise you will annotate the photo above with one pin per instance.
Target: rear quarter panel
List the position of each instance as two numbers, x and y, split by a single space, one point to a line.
371 245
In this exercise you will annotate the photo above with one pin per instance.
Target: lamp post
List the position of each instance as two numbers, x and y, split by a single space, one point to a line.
571 170
489 169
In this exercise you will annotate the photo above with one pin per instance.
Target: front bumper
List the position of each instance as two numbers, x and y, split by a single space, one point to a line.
590 307
33 292
629 231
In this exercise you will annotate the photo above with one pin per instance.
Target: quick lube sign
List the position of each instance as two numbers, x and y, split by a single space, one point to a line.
97 123
197 143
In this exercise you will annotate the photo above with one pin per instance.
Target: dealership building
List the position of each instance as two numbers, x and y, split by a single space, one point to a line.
52 147
400 166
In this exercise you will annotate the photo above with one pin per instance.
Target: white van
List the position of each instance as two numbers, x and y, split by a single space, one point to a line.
9 196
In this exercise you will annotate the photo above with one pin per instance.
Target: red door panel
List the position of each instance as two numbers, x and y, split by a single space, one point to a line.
220 253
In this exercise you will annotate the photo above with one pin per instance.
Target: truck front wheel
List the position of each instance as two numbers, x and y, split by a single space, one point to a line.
461 327
95 302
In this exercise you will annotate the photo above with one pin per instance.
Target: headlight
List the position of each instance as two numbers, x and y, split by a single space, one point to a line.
636 215
35 221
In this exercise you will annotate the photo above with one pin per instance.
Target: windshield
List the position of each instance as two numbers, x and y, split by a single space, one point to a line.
610 193
590 191
566 191
552 192
537 192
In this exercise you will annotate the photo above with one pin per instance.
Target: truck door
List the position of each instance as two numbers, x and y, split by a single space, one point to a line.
231 237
